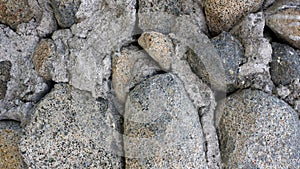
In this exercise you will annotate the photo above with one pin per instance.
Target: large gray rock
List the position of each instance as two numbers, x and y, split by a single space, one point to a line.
162 127
285 65
95 38
283 18
257 130
160 16
23 87
71 129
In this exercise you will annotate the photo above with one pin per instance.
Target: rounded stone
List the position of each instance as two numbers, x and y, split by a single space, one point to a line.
223 14
285 65
162 127
257 130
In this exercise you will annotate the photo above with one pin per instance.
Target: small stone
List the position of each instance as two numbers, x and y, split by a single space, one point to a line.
162 127
5 67
71 129
65 11
285 65
161 15
14 12
283 18
222 15
10 156
257 130
231 53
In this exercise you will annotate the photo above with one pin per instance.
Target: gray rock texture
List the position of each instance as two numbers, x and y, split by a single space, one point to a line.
129 68
285 65
257 130
5 67
64 11
232 55
162 127
283 18
160 16
222 15
258 53
24 87
170 57
74 130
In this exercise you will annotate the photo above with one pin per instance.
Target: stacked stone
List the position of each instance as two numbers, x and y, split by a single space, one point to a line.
149 84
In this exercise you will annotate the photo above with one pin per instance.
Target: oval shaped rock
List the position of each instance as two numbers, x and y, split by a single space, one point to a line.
285 65
223 14
162 127
257 130
284 19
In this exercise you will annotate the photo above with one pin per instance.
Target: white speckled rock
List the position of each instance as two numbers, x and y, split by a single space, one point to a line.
162 127
71 129
257 130
283 18
24 87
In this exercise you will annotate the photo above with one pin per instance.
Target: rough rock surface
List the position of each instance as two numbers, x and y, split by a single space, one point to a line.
222 15
160 16
14 12
75 131
231 53
129 68
285 65
5 67
283 19
170 58
95 38
64 11
24 87
161 127
254 72
10 156
257 130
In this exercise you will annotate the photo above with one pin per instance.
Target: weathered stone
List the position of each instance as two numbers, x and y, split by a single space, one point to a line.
222 15
50 59
44 16
160 16
14 12
5 67
95 39
74 130
231 53
65 11
257 130
254 72
130 67
285 65
170 55
161 126
24 87
283 18
10 156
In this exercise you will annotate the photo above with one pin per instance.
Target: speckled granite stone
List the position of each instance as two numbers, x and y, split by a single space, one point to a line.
221 15
257 130
71 129
162 127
